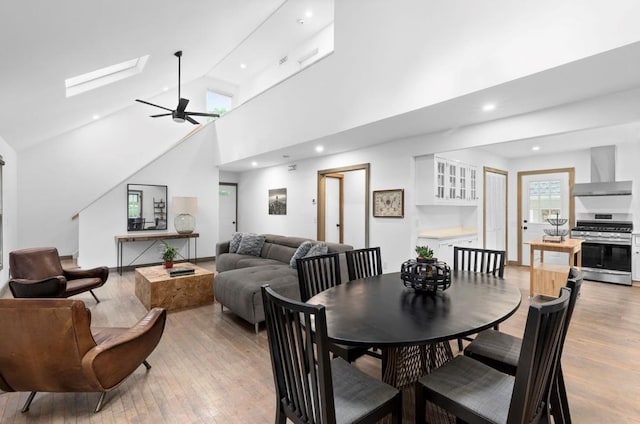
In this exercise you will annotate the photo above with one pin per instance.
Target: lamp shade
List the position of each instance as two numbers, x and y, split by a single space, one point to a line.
182 205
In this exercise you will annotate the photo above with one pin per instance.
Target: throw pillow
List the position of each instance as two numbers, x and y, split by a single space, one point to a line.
235 242
317 250
302 250
251 244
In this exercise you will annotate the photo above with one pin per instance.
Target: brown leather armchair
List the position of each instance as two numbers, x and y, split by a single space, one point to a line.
37 272
48 346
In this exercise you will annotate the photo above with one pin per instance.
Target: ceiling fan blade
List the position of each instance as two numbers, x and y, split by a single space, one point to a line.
190 119
151 104
182 105
161 114
212 115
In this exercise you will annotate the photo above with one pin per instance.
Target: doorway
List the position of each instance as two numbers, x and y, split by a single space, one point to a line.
228 207
343 205
494 217
543 194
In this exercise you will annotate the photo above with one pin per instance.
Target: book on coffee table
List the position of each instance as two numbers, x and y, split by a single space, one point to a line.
181 270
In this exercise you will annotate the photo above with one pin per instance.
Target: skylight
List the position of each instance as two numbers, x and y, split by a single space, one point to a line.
107 75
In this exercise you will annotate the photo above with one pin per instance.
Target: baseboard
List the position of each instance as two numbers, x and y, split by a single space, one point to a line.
66 257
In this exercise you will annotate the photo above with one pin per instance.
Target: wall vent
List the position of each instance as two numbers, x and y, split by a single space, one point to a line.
292 167
284 59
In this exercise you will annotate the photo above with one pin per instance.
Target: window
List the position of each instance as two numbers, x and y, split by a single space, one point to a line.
544 200
135 204
218 103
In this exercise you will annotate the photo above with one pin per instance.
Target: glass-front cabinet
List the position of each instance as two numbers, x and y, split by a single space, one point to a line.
445 181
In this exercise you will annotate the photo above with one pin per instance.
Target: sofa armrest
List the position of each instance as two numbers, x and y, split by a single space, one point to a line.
47 287
222 247
113 360
101 272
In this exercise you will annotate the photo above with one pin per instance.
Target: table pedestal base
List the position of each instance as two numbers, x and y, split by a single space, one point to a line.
403 366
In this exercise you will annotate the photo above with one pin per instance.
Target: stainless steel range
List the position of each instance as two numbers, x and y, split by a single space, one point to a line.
606 250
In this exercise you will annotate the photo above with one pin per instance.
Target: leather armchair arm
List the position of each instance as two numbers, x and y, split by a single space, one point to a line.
110 362
101 272
47 287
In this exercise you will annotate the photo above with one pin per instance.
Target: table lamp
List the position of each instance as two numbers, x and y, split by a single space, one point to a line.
184 208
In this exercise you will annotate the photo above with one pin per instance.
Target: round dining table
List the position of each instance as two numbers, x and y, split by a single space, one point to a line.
413 328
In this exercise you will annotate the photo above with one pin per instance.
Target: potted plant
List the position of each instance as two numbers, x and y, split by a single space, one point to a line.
425 254
168 255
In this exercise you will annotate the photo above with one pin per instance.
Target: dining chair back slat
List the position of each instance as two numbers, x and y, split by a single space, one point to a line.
485 261
317 274
362 263
543 335
307 380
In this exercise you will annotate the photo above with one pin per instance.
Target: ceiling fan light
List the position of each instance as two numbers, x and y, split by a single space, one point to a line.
178 119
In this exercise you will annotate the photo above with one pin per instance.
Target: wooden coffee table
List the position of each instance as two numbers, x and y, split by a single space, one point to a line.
155 288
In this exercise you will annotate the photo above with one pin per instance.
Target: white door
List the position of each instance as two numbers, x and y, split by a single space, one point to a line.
495 211
227 220
332 209
543 196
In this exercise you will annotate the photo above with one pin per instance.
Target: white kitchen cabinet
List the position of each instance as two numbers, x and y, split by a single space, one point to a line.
440 181
443 247
635 251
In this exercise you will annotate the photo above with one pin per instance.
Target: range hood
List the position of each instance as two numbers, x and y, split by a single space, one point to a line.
603 173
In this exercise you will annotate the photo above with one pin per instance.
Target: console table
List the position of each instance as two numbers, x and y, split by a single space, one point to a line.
154 238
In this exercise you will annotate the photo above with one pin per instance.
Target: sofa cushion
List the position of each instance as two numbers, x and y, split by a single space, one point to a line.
317 250
235 242
239 289
251 244
301 251
229 261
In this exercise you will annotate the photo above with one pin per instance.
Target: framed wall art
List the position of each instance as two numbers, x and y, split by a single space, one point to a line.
278 201
388 203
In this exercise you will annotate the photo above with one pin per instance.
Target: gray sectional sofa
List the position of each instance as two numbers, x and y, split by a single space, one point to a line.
239 277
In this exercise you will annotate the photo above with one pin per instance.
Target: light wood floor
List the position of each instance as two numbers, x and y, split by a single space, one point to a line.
210 367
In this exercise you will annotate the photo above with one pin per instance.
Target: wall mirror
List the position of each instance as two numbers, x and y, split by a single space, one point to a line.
146 207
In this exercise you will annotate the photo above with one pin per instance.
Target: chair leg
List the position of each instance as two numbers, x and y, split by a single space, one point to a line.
99 405
460 345
221 307
396 414
257 324
421 405
94 296
559 402
146 364
27 404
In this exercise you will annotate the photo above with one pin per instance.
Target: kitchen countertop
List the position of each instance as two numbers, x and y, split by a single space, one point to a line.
448 233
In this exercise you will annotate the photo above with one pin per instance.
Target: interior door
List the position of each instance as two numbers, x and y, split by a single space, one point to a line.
228 217
543 195
495 209
333 209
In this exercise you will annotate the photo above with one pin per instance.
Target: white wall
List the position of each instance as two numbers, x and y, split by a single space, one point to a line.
62 175
187 170
394 57
9 208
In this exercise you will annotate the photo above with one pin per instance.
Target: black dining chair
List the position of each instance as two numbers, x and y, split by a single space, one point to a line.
485 261
317 274
311 388
476 393
362 263
502 351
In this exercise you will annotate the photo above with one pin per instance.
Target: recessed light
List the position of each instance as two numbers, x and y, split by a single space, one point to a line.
308 14
254 163
319 149
243 66
535 148
96 117
165 88
489 107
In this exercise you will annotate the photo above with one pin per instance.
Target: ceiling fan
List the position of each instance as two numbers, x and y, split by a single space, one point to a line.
179 114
